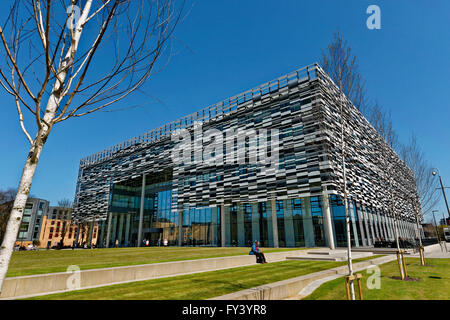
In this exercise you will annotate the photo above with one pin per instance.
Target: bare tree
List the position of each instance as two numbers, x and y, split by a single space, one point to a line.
341 65
7 195
6 204
65 203
64 59
415 158
382 122
411 154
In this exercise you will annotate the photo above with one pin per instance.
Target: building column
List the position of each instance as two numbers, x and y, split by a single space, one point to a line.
361 227
127 230
119 236
391 228
180 226
222 225
352 216
274 223
402 233
385 228
141 211
240 225
375 225
214 224
288 223
108 230
101 235
388 226
411 230
372 229
408 232
77 235
114 230
365 216
92 233
380 224
380 219
405 229
327 221
255 222
308 227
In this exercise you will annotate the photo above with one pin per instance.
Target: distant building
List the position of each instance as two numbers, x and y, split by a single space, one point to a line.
429 230
445 222
30 229
57 225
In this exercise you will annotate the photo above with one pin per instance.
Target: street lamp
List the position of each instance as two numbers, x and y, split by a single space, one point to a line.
435 225
442 187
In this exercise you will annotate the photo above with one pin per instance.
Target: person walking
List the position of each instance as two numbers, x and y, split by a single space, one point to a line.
256 251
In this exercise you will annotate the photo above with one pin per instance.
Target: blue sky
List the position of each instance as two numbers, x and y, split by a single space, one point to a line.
225 47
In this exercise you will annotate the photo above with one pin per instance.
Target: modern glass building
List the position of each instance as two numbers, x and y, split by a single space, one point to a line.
263 165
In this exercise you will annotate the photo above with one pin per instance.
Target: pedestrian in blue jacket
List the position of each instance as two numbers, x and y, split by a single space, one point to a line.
256 251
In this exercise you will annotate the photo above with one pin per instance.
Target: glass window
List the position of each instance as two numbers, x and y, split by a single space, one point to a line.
317 216
280 223
297 217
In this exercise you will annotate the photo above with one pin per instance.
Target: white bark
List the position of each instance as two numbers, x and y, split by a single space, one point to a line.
33 158
402 272
347 215
15 218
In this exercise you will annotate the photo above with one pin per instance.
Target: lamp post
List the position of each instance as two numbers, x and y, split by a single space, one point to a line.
442 187
435 225
419 236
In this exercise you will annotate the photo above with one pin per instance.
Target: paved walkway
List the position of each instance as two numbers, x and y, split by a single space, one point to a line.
437 252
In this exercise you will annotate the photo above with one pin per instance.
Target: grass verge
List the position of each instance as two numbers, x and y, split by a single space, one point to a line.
49 261
433 283
201 285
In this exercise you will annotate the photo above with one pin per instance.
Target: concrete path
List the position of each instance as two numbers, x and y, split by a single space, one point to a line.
330 255
436 251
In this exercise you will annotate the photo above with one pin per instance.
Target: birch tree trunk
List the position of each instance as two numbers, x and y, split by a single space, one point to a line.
37 146
15 218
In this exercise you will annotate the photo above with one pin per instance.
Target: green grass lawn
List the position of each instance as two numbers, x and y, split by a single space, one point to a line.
201 285
48 261
433 284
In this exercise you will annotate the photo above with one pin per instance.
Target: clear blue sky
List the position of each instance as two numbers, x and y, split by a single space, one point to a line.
225 47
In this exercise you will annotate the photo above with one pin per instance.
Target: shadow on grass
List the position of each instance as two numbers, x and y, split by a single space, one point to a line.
406 279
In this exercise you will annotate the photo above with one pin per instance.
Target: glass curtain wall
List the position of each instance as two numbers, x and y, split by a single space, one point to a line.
339 222
201 226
